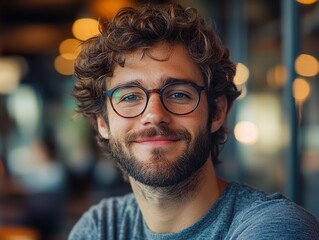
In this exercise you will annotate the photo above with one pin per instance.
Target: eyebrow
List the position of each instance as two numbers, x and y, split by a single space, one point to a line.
176 80
169 80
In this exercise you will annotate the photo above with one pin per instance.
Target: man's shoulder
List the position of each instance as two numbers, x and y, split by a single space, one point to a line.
273 215
261 205
242 197
249 197
278 218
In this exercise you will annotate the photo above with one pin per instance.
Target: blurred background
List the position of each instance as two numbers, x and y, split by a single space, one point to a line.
51 170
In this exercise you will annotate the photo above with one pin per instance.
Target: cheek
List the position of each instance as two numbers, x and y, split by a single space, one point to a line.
199 124
119 126
201 113
113 120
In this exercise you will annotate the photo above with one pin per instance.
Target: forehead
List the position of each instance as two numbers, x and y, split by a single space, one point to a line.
152 67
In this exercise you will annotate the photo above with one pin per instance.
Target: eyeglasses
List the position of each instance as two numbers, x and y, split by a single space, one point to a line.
129 101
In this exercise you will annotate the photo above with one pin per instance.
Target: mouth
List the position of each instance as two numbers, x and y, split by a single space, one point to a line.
157 141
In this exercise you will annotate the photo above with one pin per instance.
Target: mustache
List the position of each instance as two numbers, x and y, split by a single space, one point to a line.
164 131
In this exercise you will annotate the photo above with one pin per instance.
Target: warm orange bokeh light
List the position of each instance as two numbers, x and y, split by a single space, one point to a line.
301 89
277 76
70 48
306 1
306 65
85 28
64 66
106 9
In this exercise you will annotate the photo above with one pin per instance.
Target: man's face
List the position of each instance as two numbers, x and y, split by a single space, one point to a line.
158 148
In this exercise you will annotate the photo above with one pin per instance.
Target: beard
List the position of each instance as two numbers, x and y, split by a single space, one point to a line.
158 171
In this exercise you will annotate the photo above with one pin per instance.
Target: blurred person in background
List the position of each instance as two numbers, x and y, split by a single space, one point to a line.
157 85
41 177
45 184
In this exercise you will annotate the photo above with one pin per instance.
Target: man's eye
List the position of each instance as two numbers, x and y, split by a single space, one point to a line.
179 95
130 98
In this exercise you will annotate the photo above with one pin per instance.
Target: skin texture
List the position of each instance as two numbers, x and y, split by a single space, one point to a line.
174 205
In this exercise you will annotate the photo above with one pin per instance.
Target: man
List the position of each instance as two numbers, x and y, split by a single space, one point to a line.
157 85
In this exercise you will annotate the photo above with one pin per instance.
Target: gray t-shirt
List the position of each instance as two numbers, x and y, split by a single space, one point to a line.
240 212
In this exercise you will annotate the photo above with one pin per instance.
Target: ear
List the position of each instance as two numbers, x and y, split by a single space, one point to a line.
221 112
103 127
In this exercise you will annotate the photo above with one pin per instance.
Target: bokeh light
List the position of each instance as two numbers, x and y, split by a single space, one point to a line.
306 65
301 89
106 9
242 74
306 1
70 48
243 93
246 132
277 76
85 28
11 70
64 66
25 107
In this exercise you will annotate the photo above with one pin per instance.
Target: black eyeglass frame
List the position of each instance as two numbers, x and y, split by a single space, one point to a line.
199 89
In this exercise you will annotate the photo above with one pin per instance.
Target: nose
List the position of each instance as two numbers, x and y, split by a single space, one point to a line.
155 113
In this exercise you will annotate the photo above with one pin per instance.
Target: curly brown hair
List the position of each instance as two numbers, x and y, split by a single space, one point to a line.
142 28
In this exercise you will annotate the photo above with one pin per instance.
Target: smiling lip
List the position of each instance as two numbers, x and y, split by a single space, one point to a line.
156 141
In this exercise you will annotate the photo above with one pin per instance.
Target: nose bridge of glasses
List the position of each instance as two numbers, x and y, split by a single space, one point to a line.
154 90
151 91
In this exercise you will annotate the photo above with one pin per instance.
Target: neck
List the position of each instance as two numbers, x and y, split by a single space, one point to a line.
170 209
